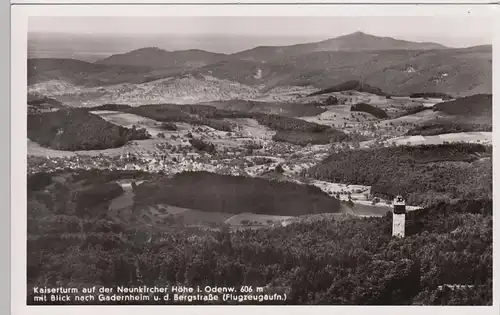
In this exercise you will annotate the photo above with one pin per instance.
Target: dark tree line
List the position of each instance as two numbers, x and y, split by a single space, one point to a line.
447 126
443 96
305 138
168 126
474 105
413 110
351 85
300 132
38 100
366 108
114 107
201 145
284 109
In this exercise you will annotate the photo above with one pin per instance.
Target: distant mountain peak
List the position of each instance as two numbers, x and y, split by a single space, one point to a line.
358 33
152 49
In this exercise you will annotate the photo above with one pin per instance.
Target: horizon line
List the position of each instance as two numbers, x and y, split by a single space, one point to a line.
312 40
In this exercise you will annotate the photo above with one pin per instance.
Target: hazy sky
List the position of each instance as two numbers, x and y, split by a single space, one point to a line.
451 31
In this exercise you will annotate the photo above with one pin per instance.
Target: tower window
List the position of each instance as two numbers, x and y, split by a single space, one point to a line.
399 209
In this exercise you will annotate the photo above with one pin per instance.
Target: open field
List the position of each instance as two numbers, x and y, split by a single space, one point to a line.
368 210
128 120
365 124
286 94
171 215
251 128
469 137
356 191
340 116
360 196
175 137
251 219
135 147
159 216
155 127
417 118
162 216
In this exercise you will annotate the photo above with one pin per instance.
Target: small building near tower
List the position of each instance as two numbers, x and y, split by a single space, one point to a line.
398 217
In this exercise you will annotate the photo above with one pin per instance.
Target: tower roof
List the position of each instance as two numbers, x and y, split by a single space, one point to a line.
399 201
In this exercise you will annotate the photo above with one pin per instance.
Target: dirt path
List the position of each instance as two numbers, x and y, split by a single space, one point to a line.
123 202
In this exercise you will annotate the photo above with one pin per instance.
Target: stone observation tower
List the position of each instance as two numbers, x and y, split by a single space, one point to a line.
398 217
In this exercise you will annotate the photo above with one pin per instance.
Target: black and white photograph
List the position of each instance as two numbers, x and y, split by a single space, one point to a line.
259 160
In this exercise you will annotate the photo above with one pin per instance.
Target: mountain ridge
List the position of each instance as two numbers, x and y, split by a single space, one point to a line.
454 71
357 41
157 57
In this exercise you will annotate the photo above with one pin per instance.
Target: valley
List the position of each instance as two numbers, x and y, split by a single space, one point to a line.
250 150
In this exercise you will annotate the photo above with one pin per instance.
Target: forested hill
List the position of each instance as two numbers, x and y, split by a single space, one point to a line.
77 129
424 174
235 194
351 85
474 105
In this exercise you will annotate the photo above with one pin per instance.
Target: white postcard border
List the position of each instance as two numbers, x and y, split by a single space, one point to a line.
19 23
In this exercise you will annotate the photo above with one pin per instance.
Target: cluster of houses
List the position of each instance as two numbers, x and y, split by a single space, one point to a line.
168 164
